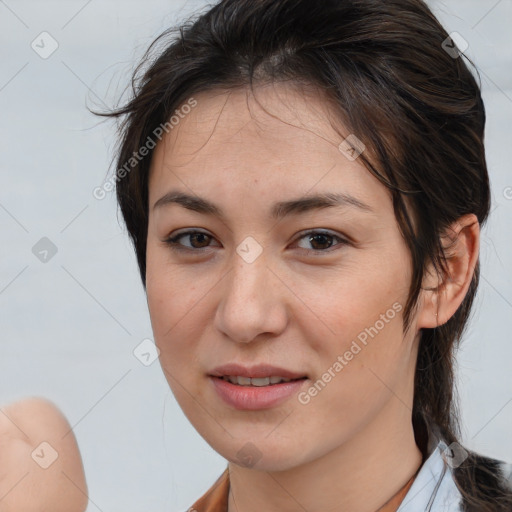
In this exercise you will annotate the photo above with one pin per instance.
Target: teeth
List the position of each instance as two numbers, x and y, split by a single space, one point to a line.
258 382
264 381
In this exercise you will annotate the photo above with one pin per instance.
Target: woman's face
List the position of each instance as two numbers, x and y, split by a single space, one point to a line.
317 292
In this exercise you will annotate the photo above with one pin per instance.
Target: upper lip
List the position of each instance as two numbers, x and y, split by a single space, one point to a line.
259 371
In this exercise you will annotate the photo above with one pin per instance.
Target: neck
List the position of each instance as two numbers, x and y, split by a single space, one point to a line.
361 474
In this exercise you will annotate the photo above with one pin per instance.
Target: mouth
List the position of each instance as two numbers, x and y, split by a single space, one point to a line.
257 387
239 380
259 375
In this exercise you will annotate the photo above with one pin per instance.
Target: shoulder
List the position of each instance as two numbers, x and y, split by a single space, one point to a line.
216 498
477 482
41 466
456 479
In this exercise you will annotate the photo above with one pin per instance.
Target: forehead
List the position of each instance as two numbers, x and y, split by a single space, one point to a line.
278 139
224 118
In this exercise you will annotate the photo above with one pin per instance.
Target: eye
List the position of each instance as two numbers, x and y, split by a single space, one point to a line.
322 240
195 237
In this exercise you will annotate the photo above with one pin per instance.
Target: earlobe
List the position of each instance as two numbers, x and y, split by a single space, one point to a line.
442 295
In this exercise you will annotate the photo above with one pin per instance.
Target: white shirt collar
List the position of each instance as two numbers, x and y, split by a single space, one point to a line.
434 488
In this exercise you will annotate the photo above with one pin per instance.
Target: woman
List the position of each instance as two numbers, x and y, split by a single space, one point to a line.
304 184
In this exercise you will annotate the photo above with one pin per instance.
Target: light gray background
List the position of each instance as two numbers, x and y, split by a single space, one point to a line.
69 326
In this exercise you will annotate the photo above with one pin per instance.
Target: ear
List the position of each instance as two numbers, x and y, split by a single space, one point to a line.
442 295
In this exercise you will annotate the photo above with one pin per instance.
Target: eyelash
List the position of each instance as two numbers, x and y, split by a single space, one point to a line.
173 242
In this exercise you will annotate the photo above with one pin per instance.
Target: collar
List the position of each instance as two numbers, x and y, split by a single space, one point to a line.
434 488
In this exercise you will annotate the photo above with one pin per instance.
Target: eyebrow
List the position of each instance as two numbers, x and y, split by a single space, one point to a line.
278 211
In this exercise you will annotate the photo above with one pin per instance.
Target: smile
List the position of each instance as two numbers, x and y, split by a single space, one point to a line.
255 393
259 382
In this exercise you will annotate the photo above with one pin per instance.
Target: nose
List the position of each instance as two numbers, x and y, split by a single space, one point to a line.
253 302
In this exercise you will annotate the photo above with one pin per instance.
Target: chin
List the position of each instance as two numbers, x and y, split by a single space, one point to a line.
263 455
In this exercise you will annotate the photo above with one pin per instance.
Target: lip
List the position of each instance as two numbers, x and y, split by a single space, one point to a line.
253 398
258 371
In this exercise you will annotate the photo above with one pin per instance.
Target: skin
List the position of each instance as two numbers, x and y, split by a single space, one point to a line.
26 485
299 305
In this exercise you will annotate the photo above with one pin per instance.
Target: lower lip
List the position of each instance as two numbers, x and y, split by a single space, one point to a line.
253 398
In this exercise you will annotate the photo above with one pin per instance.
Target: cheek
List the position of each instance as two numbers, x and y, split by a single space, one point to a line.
355 378
359 343
170 293
176 299
355 303
168 309
170 299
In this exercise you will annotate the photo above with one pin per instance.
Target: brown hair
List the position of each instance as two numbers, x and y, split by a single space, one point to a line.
383 66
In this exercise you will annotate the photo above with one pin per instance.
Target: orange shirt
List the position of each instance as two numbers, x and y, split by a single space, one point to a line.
216 498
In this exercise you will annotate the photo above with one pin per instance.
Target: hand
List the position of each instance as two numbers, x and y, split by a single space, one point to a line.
40 464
